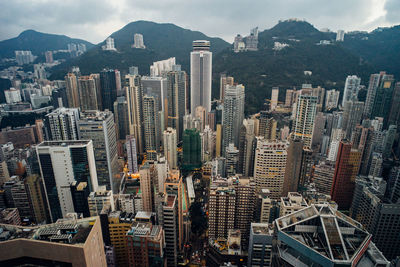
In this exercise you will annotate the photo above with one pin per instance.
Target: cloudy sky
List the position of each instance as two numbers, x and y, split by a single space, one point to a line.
94 20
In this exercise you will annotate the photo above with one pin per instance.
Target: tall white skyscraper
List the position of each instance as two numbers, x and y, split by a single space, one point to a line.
169 143
232 115
138 41
306 107
200 75
340 36
274 98
351 88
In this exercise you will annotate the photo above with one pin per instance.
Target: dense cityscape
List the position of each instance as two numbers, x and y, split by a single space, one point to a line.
165 167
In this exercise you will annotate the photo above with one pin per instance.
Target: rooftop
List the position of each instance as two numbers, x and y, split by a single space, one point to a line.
64 143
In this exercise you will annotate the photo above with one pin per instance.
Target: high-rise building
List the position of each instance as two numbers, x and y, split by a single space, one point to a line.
232 157
383 98
293 167
151 127
375 81
35 190
292 203
378 215
376 165
351 88
346 169
147 174
80 193
170 146
352 115
191 149
157 87
24 57
109 44
246 148
62 163
131 154
62 124
223 82
49 56
340 36
331 99
159 68
323 176
200 75
89 90
389 141
176 96
318 131
269 166
233 114
99 200
121 115
305 115
138 41
207 144
274 98
339 231
362 139
99 127
72 90
260 244
110 83
394 114
170 223
134 97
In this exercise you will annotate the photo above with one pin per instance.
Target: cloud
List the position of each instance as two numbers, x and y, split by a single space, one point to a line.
94 20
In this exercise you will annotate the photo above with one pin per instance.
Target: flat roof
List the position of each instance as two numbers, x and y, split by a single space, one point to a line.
64 143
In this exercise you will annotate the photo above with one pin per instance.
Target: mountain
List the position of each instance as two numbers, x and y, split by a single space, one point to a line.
162 40
37 42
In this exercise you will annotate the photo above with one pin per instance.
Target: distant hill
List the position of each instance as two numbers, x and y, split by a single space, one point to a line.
162 40
37 42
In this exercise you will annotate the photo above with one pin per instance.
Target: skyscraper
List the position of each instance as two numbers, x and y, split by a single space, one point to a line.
121 115
169 143
383 98
72 90
351 88
246 145
346 169
331 99
110 81
151 127
99 126
147 174
138 41
61 164
352 115
293 167
274 98
176 95
62 124
233 113
232 157
305 115
200 75
223 82
88 90
132 154
191 149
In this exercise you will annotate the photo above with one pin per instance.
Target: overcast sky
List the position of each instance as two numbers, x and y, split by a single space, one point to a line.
94 20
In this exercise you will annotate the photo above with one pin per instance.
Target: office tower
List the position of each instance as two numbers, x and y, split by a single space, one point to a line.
151 127
145 243
362 139
269 166
231 156
389 141
340 230
157 87
87 89
18 195
72 90
231 206
233 115
191 149
176 96
159 68
292 203
138 41
121 117
223 82
24 57
109 84
394 114
393 186
170 146
270 129
207 144
305 116
49 56
318 131
134 96
263 122
351 88
200 75
200 115
337 136
99 127
147 172
109 44
260 244
331 99
246 141
383 98
375 81
62 163
37 196
307 165
323 176
170 225
131 154
352 115
376 165
100 199
346 169
274 98
70 242
379 215
293 167
333 121
80 193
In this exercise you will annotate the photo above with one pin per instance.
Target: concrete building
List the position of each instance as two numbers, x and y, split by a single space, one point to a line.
161 67
338 230
293 167
170 223
100 128
138 41
65 243
274 98
269 166
260 245
200 75
323 176
10 216
147 173
232 158
109 44
89 90
12 96
121 116
110 85
340 36
62 124
151 127
118 228
99 200
352 115
62 163
131 154
246 149
223 82
170 147
351 89
24 57
292 203
331 99
72 90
